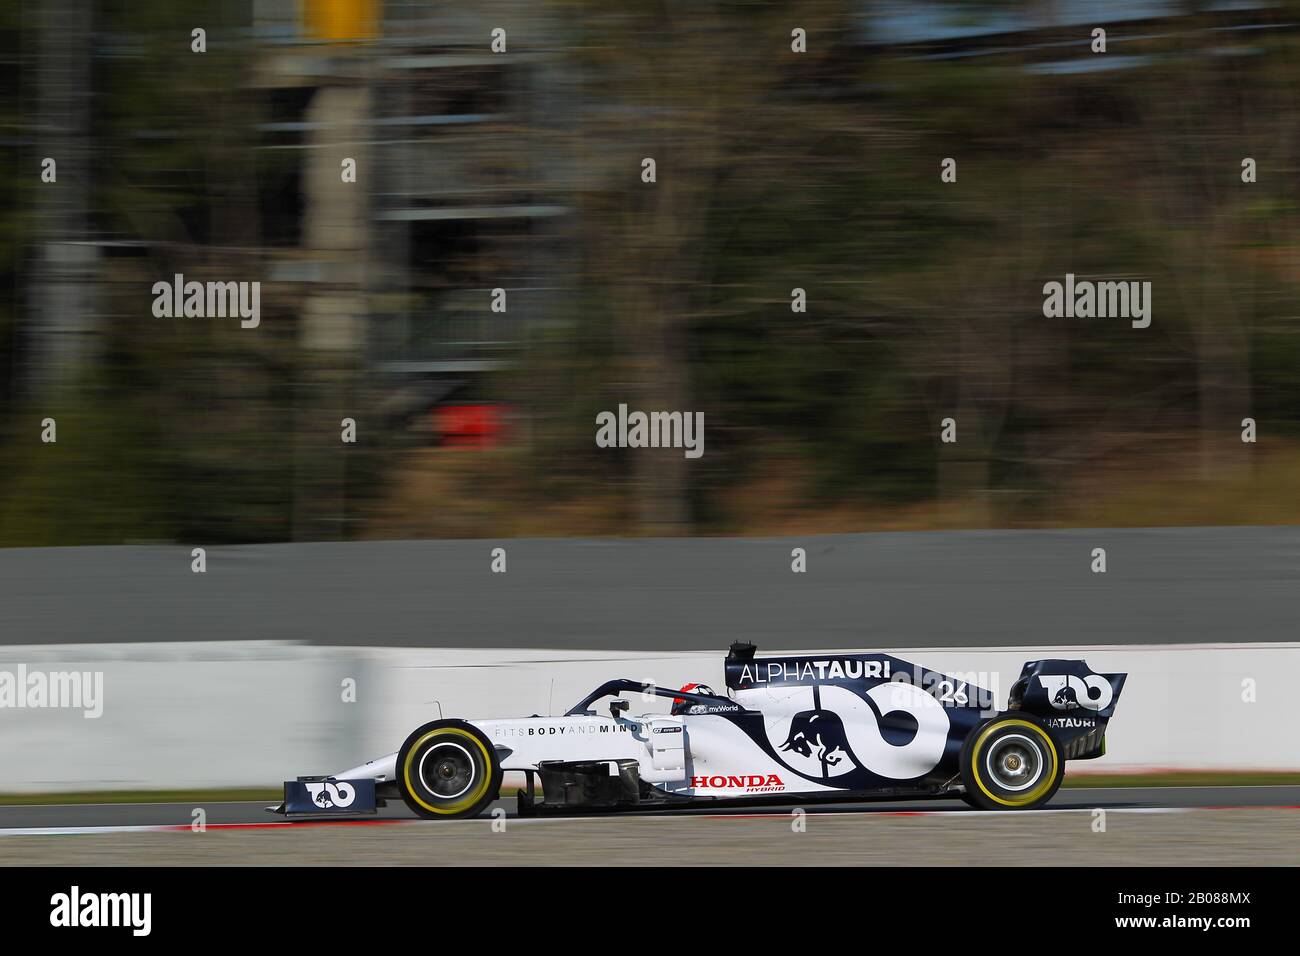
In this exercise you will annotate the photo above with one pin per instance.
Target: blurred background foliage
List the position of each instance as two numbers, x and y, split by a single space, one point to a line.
775 171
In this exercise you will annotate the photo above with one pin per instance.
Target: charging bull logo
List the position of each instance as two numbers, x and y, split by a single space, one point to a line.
1068 692
1066 698
819 734
336 796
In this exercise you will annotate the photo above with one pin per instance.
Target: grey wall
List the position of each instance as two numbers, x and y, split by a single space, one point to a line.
977 589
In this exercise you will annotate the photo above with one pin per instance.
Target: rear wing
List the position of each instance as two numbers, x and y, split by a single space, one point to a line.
1056 688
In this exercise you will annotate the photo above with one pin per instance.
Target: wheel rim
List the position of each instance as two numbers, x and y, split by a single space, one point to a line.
1014 762
447 770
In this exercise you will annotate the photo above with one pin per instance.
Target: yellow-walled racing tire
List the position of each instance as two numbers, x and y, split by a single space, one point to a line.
1011 762
448 768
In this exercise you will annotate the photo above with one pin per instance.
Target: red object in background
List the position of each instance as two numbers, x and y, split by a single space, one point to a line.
470 426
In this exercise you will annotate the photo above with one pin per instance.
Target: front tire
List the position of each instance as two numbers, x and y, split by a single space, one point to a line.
1011 762
447 768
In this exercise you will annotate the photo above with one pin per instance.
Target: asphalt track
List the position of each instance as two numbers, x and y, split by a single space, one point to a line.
1245 826
243 813
903 589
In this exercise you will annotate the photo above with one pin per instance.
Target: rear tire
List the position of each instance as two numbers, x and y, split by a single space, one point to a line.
447 769
1011 762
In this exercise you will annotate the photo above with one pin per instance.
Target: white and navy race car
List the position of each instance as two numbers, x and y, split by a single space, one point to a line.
819 727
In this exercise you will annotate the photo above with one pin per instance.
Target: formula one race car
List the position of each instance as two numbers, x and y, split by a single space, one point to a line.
830 727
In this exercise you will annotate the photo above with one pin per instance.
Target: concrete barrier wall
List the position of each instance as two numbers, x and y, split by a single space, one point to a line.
253 713
179 716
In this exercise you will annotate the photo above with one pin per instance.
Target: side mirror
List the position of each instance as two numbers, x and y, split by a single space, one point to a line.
617 707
